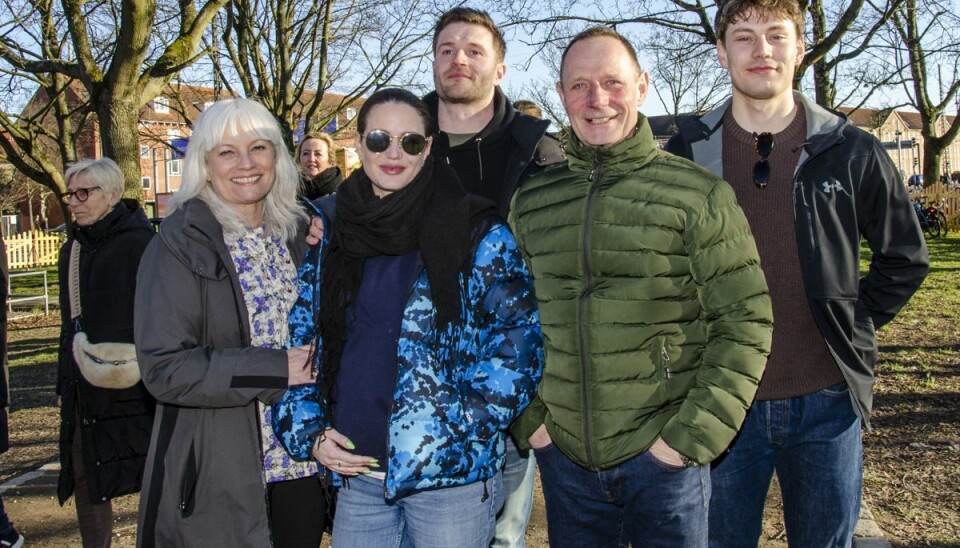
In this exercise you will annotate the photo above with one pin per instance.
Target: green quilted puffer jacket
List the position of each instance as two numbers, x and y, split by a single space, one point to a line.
655 313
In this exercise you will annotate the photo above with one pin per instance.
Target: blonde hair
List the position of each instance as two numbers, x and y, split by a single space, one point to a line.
282 212
320 136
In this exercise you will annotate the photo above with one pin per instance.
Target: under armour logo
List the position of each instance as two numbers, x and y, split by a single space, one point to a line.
828 187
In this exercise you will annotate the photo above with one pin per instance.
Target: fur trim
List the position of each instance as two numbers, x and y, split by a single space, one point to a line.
107 364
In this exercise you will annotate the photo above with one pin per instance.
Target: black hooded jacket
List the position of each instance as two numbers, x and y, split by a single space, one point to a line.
509 149
115 424
846 189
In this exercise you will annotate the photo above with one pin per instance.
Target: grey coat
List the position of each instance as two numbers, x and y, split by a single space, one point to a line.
203 484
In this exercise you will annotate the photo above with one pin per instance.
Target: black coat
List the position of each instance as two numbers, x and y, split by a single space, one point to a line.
493 163
846 189
115 424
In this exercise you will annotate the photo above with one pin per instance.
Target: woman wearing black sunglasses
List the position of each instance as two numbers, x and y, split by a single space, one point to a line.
428 343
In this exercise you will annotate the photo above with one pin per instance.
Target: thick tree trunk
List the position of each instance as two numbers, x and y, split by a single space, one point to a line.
931 165
121 142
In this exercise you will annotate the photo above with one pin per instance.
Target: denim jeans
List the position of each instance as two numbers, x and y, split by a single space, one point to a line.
813 444
437 518
518 478
643 501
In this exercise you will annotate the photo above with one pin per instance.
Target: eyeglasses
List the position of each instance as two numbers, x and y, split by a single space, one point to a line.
81 193
761 169
378 141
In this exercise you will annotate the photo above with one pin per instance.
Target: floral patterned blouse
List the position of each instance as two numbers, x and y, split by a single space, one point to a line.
268 280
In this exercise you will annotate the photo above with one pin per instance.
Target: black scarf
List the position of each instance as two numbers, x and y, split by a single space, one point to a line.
325 182
432 215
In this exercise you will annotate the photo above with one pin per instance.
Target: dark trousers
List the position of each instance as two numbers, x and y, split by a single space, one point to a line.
298 512
95 517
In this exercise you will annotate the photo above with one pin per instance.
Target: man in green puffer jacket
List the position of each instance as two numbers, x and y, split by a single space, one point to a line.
655 313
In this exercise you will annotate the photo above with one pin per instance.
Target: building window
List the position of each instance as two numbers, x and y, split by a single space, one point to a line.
174 168
144 151
146 183
351 114
161 105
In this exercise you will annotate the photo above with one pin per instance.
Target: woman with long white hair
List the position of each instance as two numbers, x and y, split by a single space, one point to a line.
214 292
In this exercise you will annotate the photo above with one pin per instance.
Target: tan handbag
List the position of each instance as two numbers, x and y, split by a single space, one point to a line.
106 364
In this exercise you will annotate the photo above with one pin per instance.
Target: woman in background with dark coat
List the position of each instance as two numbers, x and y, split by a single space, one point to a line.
104 432
321 176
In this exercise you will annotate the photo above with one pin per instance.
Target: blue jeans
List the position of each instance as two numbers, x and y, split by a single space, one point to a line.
518 478
643 501
436 518
813 444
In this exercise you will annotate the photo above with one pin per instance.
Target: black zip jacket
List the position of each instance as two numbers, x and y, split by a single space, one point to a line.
512 147
115 424
845 187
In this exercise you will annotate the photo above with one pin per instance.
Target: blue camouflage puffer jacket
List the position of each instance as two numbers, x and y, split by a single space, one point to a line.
457 391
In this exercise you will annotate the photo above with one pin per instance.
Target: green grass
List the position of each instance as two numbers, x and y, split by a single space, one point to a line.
33 285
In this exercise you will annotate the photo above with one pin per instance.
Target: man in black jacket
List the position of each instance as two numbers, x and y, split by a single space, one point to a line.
811 185
493 148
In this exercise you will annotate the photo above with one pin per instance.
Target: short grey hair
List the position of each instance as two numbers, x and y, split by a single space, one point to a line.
282 211
102 171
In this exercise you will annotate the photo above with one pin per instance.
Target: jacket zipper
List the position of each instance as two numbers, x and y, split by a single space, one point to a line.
667 374
595 176
478 140
798 186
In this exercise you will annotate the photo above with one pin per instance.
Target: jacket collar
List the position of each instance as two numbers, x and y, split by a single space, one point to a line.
195 238
824 126
499 125
627 155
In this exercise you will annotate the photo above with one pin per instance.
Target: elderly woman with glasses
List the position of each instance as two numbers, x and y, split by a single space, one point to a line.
427 341
105 419
216 287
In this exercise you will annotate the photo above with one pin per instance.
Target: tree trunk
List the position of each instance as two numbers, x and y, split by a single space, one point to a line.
823 85
119 118
931 165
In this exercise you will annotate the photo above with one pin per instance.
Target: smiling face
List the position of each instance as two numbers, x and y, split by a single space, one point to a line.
601 90
314 157
466 67
242 169
97 204
392 169
762 54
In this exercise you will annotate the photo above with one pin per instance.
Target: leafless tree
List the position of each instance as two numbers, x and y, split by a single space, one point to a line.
924 34
121 52
288 53
839 32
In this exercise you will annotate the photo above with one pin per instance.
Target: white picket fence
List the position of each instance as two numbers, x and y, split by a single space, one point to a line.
33 249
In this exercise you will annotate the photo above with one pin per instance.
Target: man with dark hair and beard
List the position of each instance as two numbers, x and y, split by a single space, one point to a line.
493 148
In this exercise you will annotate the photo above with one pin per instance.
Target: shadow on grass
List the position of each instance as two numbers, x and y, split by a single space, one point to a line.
892 348
904 409
33 386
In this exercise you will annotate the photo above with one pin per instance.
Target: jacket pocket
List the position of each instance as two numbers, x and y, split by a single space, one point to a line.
188 483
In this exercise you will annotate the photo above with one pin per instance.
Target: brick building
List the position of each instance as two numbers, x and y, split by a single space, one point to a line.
164 127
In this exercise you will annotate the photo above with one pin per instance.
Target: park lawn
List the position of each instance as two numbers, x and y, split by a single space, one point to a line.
912 456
